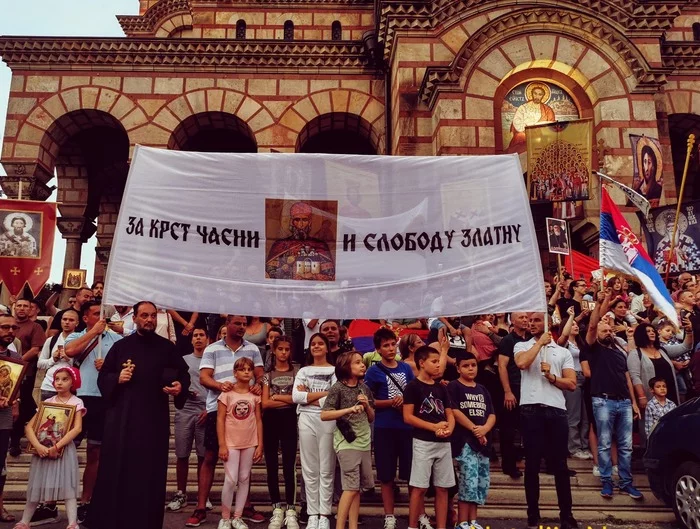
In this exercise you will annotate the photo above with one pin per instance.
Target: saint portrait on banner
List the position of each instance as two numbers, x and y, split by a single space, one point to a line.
685 254
532 103
16 239
301 255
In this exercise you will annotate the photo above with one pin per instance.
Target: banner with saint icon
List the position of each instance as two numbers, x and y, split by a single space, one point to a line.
559 157
658 229
648 168
26 243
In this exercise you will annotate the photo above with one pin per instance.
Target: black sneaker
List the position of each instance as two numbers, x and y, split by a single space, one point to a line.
83 512
303 514
44 514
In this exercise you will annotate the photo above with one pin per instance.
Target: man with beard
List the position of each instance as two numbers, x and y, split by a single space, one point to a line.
509 413
300 256
547 371
136 380
614 403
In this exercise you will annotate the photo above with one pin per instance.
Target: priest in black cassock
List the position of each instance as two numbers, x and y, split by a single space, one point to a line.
136 380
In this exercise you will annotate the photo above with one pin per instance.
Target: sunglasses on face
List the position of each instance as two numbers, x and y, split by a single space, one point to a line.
8 327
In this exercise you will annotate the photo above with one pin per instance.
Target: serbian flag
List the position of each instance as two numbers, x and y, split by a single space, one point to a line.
621 250
26 243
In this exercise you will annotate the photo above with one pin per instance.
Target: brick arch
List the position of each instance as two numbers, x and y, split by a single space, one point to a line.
340 101
72 110
681 101
471 46
204 100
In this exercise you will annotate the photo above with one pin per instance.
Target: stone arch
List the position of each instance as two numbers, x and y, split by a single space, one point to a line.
340 133
102 105
344 101
213 131
470 46
220 100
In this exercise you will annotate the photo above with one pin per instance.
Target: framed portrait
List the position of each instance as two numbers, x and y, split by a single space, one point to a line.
557 236
11 374
587 305
21 233
53 422
74 278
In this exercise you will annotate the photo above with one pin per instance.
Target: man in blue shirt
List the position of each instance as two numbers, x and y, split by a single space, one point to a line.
88 353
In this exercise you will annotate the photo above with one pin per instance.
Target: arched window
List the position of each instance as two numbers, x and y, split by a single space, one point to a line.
289 30
336 31
240 30
696 31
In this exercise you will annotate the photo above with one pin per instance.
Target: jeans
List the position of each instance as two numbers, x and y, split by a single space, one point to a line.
614 417
545 433
578 420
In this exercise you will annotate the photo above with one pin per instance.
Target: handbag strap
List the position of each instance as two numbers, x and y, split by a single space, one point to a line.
388 373
77 362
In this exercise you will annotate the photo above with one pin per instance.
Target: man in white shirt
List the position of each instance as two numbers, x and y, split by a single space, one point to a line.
547 370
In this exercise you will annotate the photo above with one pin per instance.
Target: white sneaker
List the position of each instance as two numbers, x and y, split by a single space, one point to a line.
615 470
313 522
290 519
596 471
208 505
389 521
424 522
587 453
277 518
224 524
237 523
579 454
475 525
178 502
324 522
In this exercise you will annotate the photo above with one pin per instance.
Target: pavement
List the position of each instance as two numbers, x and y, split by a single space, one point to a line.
177 521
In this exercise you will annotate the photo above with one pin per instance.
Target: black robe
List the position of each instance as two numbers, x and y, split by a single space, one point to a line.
131 479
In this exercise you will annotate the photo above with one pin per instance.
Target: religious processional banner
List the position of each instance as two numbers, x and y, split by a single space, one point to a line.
559 160
647 168
658 230
26 243
297 235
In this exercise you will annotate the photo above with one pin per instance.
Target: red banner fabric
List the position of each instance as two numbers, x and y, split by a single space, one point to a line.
583 264
26 243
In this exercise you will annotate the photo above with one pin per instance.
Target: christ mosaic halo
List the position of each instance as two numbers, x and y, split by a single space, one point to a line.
667 218
542 86
644 141
28 222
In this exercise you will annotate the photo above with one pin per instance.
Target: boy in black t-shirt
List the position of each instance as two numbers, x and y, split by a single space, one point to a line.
427 409
475 417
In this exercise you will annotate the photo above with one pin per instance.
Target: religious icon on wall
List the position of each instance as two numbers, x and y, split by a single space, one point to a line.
557 236
74 278
559 157
301 239
21 231
52 423
531 103
648 168
11 374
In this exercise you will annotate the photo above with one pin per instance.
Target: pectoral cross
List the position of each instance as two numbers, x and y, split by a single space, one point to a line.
129 365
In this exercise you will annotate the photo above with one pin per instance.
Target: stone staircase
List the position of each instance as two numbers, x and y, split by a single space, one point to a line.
506 497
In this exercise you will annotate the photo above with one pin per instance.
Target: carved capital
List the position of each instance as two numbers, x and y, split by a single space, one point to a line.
71 227
32 187
102 253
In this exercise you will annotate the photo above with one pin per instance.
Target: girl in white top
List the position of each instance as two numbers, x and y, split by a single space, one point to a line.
311 387
52 356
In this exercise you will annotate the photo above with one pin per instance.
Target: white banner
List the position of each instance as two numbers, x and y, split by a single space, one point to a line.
334 236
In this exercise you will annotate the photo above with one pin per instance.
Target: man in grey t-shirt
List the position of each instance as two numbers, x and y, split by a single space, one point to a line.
190 421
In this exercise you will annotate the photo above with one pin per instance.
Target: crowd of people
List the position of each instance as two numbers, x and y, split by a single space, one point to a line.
423 397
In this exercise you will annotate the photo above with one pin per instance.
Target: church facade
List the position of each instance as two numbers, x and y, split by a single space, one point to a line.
393 77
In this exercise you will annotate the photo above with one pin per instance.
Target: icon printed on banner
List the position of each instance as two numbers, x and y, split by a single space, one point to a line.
301 239
20 233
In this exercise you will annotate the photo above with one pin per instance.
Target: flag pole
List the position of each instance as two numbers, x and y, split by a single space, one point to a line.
691 142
